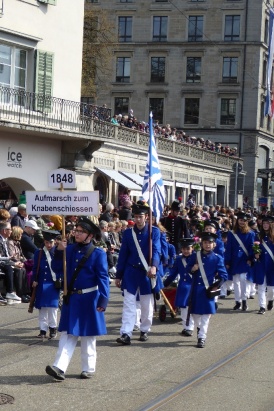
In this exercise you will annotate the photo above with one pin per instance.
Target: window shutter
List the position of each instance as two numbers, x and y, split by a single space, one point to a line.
43 80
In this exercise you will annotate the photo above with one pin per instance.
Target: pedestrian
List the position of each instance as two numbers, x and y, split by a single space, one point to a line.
209 273
47 286
134 274
184 284
82 313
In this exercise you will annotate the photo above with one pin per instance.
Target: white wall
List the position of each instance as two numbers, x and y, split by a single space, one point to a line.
60 30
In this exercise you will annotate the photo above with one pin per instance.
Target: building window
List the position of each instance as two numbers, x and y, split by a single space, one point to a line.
193 70
232 28
230 69
192 106
125 29
156 105
13 67
195 28
228 111
126 1
159 28
123 70
121 105
157 69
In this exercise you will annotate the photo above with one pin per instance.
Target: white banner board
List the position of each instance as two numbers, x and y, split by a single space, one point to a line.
83 203
61 176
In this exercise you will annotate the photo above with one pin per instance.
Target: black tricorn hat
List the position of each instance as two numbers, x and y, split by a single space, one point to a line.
212 223
50 235
89 226
242 216
269 218
140 209
175 206
208 236
186 242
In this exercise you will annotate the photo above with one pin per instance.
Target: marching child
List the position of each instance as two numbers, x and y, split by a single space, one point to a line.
45 282
184 284
209 273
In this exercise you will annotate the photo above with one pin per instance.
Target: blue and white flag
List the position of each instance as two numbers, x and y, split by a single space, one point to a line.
153 187
268 105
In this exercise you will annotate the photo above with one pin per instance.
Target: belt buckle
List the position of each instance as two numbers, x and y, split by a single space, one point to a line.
79 292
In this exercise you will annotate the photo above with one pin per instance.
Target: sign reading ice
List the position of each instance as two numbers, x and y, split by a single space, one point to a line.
63 202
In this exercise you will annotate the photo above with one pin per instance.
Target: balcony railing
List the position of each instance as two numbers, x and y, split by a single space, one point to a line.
45 111
50 113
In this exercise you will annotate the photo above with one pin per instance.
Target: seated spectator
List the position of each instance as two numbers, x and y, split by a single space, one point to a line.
107 215
125 213
4 215
7 265
21 217
27 242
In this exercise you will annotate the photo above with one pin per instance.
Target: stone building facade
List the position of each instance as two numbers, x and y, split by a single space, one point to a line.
199 65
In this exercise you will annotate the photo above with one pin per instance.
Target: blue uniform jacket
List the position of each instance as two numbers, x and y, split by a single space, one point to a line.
235 256
80 317
164 254
46 293
184 284
214 268
220 248
130 268
264 267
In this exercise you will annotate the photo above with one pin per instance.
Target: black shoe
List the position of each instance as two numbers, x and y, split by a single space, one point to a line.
261 310
85 375
187 333
52 332
270 305
252 297
244 306
24 299
42 334
237 306
124 339
143 336
228 292
201 343
3 301
222 297
55 373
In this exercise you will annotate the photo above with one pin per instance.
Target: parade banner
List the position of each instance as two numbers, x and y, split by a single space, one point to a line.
64 203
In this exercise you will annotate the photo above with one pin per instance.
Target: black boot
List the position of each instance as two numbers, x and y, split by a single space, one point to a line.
42 334
237 306
244 305
270 305
52 332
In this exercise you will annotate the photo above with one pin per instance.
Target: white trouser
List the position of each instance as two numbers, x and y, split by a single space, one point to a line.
250 289
227 285
66 348
261 295
47 317
270 293
190 326
129 313
239 281
201 322
138 314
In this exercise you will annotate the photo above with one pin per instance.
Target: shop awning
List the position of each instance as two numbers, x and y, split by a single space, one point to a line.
213 189
196 187
114 175
136 178
183 185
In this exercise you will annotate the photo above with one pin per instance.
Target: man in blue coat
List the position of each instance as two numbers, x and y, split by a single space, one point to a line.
83 314
135 274
207 268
